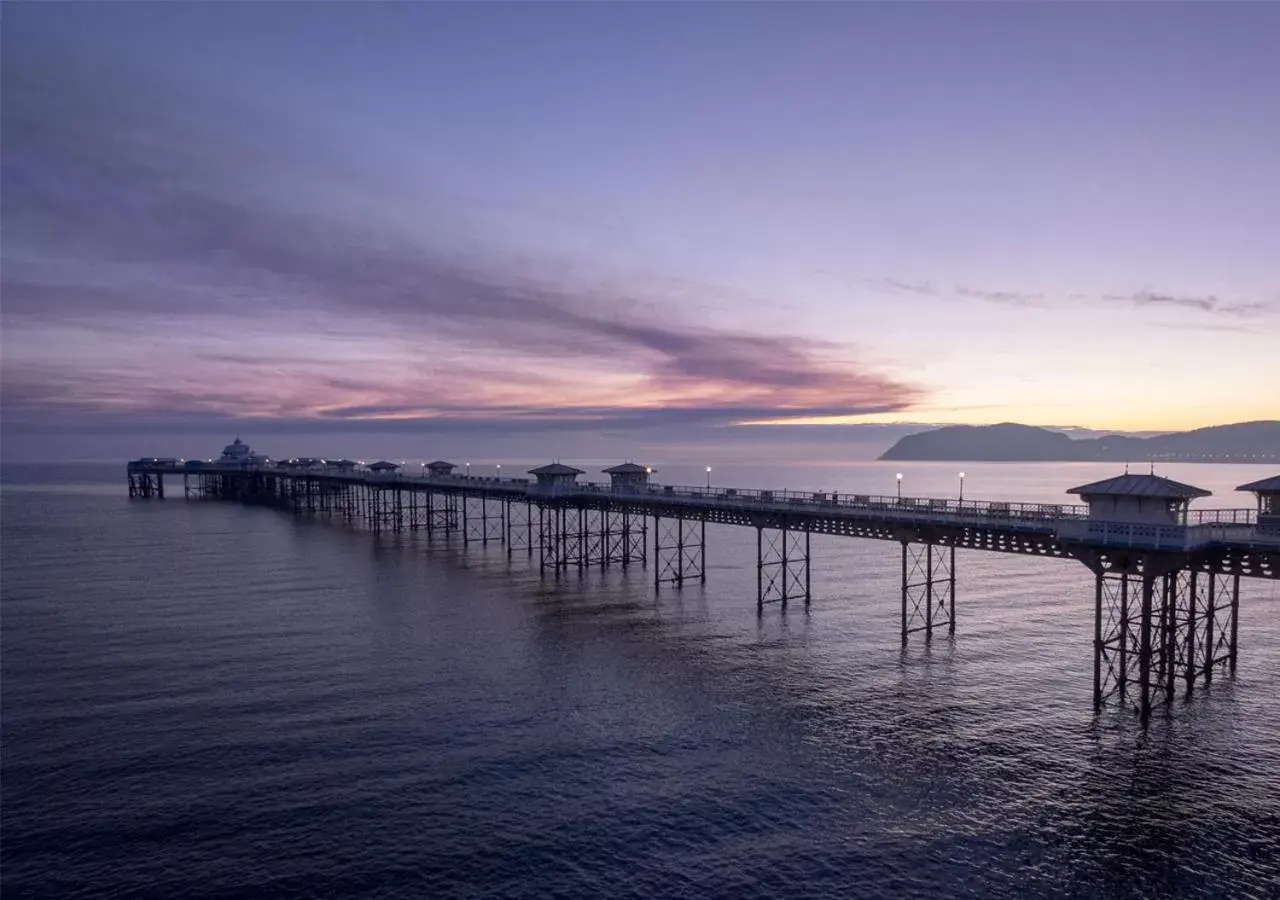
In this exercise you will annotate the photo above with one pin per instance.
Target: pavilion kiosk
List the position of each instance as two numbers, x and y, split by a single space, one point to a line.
1166 608
440 468
556 475
628 477
1139 499
382 467
1268 493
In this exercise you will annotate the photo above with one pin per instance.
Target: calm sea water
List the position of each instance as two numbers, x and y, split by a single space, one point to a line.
204 700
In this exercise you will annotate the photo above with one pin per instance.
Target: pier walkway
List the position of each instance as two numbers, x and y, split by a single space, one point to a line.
1166 576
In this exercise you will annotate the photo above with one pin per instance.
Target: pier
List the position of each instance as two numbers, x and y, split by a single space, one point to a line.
1166 577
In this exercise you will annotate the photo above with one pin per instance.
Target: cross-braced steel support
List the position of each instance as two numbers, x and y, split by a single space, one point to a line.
483 519
782 565
415 510
928 588
381 508
521 534
679 550
553 537
627 538
1116 629
146 485
572 536
1157 620
440 514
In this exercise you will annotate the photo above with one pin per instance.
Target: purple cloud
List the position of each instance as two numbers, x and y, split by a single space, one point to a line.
128 213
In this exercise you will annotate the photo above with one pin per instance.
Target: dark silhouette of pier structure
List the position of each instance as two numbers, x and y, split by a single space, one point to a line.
1166 577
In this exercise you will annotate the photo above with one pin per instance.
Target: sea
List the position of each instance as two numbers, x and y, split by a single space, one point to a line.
205 700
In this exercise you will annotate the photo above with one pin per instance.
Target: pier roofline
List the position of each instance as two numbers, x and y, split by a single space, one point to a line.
1267 492
1166 577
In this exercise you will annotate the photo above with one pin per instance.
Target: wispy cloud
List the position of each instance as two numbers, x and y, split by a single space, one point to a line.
1151 298
129 213
1206 326
1208 303
1012 298
889 285
927 288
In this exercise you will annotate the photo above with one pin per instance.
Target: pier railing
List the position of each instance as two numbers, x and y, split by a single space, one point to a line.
1182 538
931 507
906 509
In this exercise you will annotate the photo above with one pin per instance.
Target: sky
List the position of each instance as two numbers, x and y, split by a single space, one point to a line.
598 226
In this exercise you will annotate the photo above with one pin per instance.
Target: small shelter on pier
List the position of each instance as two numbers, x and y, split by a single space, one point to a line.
555 474
382 467
1268 493
1148 499
440 468
629 474
343 465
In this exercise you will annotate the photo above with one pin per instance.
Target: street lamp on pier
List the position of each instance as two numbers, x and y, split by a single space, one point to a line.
499 471
708 478
961 487
899 487
468 470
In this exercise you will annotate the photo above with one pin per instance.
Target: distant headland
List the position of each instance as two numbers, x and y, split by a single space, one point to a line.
1244 442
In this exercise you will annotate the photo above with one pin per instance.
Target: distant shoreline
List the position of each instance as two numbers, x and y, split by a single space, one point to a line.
1251 443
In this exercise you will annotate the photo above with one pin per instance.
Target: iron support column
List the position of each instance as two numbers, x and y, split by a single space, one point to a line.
1235 621
1144 644
1097 639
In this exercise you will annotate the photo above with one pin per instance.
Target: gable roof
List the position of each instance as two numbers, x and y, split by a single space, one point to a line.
441 464
382 465
1140 486
555 469
1265 486
627 468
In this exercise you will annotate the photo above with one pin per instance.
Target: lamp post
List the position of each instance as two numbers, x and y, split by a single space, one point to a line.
899 487
708 478
468 470
423 473
961 487
499 471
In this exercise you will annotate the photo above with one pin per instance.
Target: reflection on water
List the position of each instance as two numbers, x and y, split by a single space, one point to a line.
207 700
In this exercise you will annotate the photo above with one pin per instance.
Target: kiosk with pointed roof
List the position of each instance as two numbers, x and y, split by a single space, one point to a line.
555 474
1148 499
440 468
1268 493
629 474
382 467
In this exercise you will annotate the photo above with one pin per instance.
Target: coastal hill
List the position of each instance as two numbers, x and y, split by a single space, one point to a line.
1257 442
